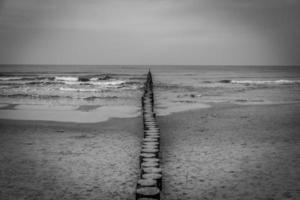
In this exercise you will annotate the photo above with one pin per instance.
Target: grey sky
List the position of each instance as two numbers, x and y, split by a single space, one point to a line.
150 31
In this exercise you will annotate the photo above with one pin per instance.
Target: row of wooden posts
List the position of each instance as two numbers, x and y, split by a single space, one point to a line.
149 184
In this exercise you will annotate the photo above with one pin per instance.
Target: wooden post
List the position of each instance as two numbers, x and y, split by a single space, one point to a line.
150 183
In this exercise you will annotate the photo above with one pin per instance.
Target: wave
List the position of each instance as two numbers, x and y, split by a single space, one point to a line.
12 84
88 78
261 82
26 78
39 83
103 84
78 89
66 78
10 78
55 97
33 96
108 83
104 81
58 79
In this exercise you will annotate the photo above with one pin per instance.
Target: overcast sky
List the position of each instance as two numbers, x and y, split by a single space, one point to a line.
201 32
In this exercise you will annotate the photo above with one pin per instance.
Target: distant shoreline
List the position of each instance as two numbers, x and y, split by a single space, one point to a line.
151 65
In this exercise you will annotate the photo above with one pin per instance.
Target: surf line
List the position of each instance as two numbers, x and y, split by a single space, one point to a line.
149 184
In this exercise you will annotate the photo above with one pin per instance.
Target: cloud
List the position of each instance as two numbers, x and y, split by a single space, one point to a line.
150 31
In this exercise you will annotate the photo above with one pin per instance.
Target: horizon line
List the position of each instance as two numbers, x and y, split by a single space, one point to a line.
147 65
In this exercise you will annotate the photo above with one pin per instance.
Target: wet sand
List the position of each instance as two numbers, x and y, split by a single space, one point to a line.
66 113
232 152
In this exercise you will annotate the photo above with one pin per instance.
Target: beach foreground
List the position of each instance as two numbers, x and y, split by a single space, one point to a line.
50 160
222 152
232 152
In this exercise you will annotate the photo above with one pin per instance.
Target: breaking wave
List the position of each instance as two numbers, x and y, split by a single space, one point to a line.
70 88
9 78
66 78
33 96
78 89
58 79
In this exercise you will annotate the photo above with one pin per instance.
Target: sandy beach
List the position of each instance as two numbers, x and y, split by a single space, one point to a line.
149 100
50 160
222 152
232 152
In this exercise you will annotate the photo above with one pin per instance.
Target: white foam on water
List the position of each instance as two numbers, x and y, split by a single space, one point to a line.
71 82
11 78
108 83
78 89
94 79
66 78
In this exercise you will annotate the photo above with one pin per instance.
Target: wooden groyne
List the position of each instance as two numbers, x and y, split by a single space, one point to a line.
149 184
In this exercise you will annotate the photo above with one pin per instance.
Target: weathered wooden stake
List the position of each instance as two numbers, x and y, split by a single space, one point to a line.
150 183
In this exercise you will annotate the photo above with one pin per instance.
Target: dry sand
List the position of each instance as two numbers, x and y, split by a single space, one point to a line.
49 160
232 152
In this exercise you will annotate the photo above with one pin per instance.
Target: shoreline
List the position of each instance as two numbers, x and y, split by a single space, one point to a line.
93 114
75 114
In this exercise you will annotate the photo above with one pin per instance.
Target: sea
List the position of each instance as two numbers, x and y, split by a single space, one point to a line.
45 92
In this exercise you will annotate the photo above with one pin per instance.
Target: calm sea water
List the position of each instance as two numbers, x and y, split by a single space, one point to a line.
176 86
